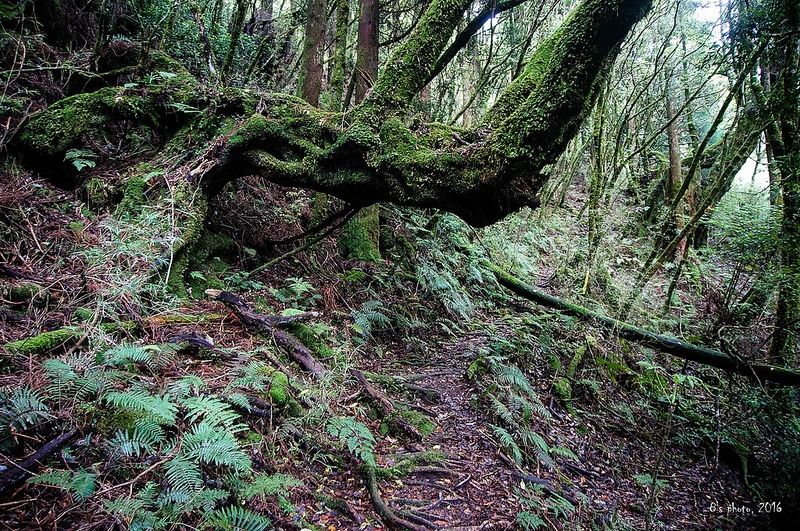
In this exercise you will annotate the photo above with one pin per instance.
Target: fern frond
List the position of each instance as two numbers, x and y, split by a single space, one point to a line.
356 435
234 518
255 376
267 485
534 441
215 446
186 386
214 412
501 410
508 444
183 474
127 355
73 379
140 401
145 437
530 521
21 409
80 483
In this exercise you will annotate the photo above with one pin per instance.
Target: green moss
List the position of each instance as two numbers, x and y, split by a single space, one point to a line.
420 421
133 197
310 339
42 343
29 291
54 131
82 315
360 236
278 391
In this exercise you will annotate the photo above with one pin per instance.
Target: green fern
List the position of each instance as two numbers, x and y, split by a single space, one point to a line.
267 485
140 401
81 158
20 410
215 446
367 317
81 484
183 474
538 446
255 376
144 438
530 521
356 435
187 386
127 355
77 378
508 444
233 518
214 412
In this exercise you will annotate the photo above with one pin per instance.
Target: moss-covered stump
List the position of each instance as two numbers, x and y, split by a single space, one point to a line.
29 292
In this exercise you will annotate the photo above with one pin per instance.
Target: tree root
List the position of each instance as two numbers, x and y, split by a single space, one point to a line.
258 323
17 472
387 407
387 515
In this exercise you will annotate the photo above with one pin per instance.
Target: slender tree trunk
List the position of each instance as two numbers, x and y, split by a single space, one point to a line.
340 55
236 33
360 238
311 68
675 174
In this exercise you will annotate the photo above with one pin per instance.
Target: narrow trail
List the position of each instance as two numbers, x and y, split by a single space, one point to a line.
474 487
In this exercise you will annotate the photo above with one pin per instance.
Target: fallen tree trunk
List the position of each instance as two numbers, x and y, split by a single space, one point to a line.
676 347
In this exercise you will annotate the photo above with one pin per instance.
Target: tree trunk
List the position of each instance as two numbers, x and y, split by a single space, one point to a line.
311 70
784 347
676 347
360 237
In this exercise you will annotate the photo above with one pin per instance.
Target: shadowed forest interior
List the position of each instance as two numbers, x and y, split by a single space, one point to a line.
424 264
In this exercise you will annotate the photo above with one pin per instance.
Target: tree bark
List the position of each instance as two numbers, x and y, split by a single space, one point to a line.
669 345
311 73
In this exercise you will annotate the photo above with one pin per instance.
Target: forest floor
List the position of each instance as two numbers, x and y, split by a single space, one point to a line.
462 475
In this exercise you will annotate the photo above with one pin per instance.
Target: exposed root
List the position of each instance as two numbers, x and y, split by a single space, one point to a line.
258 323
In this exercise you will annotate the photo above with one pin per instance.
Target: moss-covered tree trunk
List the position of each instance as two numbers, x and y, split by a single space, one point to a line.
369 154
785 342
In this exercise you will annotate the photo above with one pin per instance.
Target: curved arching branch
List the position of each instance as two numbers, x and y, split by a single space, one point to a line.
480 175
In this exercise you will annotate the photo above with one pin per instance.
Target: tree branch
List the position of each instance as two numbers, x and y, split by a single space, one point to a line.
669 345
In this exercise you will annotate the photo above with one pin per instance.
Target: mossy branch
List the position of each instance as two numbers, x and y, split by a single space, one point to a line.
669 345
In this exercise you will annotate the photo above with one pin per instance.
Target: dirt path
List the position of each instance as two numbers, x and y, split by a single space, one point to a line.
474 488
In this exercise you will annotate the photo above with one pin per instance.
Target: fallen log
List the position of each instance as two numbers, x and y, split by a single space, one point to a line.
669 345
257 323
